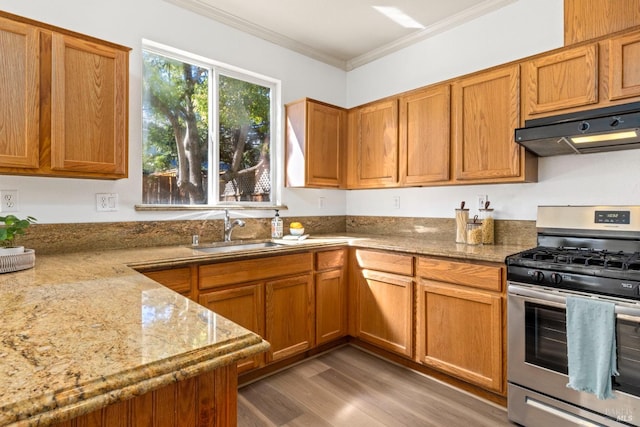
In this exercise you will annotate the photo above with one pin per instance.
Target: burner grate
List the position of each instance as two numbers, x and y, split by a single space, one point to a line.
583 257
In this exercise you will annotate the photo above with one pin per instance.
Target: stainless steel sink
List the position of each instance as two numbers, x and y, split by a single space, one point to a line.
237 247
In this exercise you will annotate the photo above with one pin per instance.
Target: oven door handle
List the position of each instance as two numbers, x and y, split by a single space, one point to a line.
558 299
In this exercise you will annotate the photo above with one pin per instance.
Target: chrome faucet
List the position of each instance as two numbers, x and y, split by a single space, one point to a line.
228 225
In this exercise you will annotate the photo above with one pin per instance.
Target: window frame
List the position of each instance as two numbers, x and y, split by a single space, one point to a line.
217 68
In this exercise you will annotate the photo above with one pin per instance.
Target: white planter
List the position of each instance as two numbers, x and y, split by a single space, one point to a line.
12 250
19 259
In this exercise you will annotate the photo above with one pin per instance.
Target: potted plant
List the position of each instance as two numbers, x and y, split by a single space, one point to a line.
10 227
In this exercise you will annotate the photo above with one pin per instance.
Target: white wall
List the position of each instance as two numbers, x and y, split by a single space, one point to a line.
518 30
523 28
127 22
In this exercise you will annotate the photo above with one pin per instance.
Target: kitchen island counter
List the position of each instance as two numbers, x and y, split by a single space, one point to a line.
81 331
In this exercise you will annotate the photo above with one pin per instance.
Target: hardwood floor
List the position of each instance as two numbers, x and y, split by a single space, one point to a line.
349 387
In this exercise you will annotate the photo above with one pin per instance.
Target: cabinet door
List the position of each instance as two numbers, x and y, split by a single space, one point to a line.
289 316
331 316
326 139
315 144
375 145
19 83
88 107
243 305
385 311
624 72
562 80
487 110
459 331
425 136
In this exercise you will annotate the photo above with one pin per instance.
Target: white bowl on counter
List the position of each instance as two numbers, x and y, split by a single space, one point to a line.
296 231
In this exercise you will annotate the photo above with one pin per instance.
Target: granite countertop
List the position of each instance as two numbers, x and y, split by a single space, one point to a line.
82 330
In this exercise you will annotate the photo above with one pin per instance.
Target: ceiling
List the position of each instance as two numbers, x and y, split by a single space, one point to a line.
342 33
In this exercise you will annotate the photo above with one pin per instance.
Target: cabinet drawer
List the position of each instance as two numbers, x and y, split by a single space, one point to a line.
326 260
176 279
229 273
462 273
383 261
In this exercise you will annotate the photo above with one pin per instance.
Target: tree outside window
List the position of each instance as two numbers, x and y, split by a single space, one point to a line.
206 134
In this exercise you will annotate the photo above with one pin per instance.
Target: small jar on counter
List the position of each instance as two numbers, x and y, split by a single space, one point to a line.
488 228
462 217
474 232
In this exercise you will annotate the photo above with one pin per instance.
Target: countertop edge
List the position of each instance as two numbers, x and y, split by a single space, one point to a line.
252 344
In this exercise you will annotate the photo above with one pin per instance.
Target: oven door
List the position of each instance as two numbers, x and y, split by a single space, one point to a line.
537 363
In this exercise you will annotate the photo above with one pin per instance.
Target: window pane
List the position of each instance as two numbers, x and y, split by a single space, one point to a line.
245 130
175 131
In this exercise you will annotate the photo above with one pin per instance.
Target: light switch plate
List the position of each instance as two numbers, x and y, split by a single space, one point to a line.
106 202
482 198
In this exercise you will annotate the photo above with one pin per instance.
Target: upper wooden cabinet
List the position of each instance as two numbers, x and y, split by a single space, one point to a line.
425 136
373 145
562 80
623 70
315 138
486 111
589 19
594 75
88 107
19 84
69 102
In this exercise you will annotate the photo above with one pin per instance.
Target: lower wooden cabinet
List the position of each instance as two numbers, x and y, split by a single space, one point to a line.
384 307
331 322
460 324
331 296
181 280
209 399
243 305
289 316
446 314
460 332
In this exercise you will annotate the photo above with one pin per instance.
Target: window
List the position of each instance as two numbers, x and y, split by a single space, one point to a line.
207 132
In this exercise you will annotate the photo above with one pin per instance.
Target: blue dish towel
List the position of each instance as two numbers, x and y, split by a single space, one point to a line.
591 345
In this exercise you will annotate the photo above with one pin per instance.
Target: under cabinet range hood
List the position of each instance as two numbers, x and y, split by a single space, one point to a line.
604 129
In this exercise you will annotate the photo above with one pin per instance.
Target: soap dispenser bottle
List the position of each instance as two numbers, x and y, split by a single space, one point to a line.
276 226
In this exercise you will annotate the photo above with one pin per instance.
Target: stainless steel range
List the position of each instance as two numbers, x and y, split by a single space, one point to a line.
587 251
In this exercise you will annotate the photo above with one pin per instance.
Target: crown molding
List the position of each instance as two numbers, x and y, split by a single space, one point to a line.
430 31
204 9
223 17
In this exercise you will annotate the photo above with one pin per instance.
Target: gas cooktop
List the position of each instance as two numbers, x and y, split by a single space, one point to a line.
587 248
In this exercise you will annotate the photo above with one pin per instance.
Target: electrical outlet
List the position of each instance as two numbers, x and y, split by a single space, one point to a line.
106 202
396 202
8 200
482 198
321 202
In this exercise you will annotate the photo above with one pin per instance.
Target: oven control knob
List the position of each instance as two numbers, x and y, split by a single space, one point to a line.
556 278
537 276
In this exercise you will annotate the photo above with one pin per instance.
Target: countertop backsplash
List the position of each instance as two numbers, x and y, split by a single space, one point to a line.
75 237
507 232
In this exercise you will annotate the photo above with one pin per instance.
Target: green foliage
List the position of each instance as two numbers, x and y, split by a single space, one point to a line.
12 227
176 127
243 104
175 93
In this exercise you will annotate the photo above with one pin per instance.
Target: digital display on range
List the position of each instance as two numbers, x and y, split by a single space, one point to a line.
613 217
